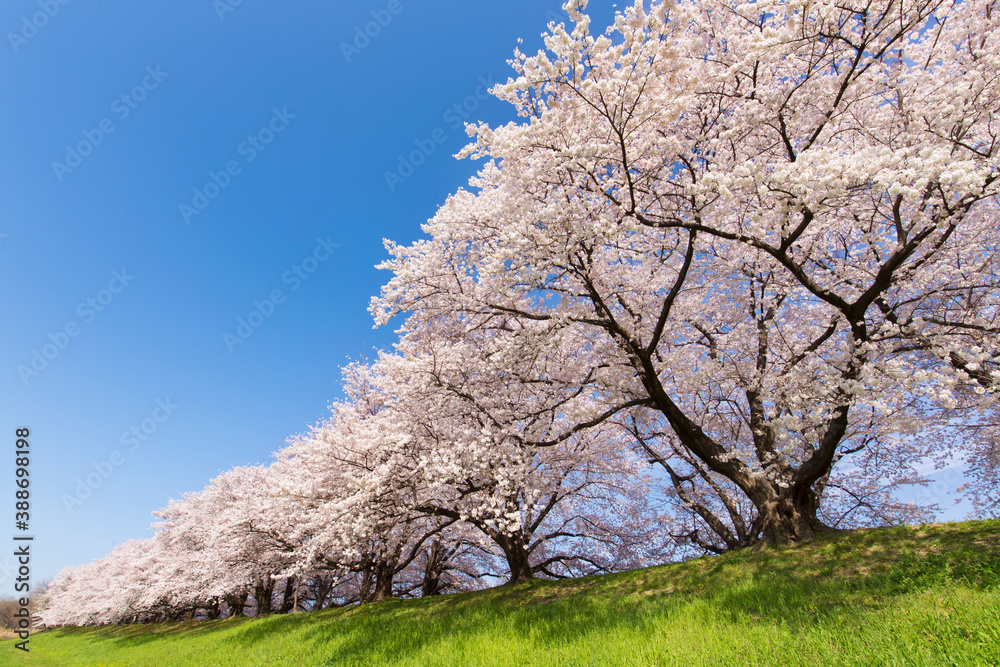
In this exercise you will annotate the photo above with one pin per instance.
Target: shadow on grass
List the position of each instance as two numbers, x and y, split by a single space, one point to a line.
132 636
826 582
839 576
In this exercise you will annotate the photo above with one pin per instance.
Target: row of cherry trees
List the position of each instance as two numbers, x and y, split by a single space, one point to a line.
408 489
401 492
731 283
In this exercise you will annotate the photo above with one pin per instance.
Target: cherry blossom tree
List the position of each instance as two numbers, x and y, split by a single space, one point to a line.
217 552
224 545
768 227
424 443
102 592
349 518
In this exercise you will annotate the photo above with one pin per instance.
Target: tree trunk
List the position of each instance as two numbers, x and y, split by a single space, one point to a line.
322 589
384 573
517 559
287 597
237 603
262 593
432 571
786 514
789 517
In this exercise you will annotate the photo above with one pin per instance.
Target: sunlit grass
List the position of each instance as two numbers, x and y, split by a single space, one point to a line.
925 595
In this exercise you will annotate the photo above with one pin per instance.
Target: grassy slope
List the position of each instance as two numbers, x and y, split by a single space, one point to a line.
926 595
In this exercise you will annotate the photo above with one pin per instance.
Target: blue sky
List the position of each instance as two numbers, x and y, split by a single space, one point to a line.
170 169
153 99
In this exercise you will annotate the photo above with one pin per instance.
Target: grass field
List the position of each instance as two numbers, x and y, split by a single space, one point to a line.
927 595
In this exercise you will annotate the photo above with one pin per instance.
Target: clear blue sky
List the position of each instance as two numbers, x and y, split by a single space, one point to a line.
113 114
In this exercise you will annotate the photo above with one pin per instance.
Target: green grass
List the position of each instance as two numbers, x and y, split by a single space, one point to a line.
926 595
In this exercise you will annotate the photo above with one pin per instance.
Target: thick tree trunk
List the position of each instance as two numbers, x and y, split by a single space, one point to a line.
212 610
367 581
432 570
517 559
384 573
262 593
322 589
376 582
237 603
288 597
789 517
